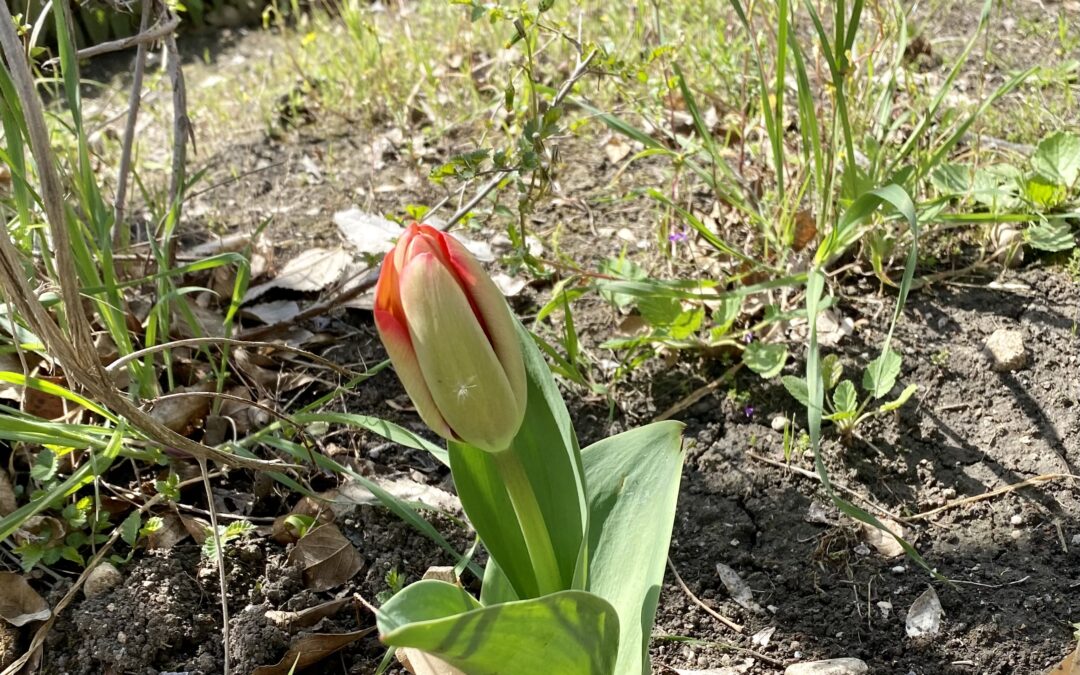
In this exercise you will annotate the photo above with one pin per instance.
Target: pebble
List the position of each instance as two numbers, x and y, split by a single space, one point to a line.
1005 349
1076 540
847 666
1016 520
779 423
102 578
899 569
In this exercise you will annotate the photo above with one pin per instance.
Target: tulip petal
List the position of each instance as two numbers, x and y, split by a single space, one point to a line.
461 369
491 305
395 337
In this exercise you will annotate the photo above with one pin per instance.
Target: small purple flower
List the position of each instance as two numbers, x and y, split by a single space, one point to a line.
678 237
748 411
748 338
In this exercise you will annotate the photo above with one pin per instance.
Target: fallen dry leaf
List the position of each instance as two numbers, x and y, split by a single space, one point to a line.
275 311
312 270
310 649
171 533
805 229
306 618
351 493
738 589
284 533
45 406
883 542
422 663
924 617
509 286
19 603
616 149
183 413
369 233
327 557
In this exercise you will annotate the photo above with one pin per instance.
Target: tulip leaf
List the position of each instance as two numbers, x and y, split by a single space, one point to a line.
633 484
570 633
547 449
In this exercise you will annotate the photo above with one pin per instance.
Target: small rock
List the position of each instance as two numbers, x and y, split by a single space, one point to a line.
846 666
862 550
102 578
899 569
1076 540
886 607
779 423
1017 519
1005 349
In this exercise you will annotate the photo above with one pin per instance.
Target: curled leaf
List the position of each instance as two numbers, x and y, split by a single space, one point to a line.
310 649
19 603
328 558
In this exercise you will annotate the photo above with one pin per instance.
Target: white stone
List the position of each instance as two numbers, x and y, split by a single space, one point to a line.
1005 349
102 578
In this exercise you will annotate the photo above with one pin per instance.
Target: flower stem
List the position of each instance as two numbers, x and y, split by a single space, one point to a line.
531 520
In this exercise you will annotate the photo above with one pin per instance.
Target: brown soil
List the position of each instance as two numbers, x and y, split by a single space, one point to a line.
1012 563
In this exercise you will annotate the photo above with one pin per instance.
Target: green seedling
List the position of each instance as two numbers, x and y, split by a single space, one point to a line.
842 400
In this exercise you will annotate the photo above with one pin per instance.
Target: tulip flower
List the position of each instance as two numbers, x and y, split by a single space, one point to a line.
452 340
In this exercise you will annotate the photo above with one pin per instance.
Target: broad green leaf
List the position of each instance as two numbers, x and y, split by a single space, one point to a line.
881 373
660 310
845 399
633 485
995 187
547 447
1058 157
129 528
796 386
831 371
45 466
765 359
1043 193
724 315
569 633
951 179
1052 234
687 323
899 400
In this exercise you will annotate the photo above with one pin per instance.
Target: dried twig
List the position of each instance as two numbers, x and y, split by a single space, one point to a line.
698 394
697 601
119 226
993 493
220 555
145 36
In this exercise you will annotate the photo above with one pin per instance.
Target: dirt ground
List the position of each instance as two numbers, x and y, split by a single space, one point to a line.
1011 563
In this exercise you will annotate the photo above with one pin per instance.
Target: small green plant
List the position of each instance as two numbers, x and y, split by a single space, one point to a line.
843 406
395 581
578 538
228 534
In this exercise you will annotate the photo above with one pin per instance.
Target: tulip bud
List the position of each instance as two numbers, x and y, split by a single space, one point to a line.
450 336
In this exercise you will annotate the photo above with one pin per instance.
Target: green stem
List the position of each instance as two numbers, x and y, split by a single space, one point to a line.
531 520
